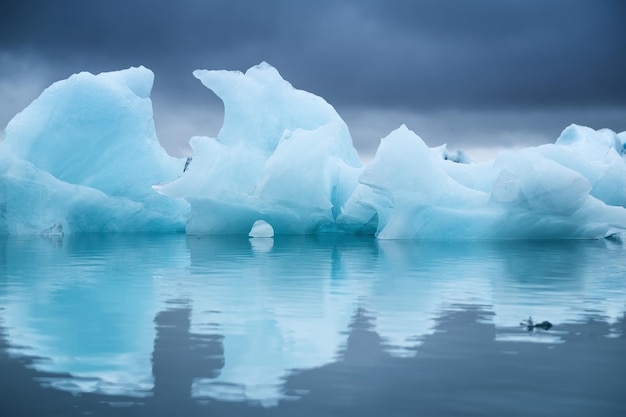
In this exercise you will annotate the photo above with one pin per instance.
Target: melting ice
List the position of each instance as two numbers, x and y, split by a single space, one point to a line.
84 157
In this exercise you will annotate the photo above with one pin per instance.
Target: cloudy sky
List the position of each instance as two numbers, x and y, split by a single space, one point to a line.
478 75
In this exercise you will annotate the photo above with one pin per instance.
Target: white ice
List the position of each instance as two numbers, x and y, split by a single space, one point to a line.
261 228
85 156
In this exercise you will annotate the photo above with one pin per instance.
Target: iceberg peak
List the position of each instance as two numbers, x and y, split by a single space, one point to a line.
138 79
260 107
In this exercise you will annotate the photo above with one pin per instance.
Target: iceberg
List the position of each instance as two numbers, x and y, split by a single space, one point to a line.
571 189
283 156
84 157
260 229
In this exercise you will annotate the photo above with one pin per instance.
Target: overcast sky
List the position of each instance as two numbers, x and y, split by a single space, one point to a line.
478 75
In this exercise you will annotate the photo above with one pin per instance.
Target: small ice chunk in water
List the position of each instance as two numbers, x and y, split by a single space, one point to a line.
261 228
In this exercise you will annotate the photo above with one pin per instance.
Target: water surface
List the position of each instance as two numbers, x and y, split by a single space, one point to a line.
326 325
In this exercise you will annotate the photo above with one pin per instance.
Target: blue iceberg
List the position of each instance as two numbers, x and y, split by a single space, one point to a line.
571 189
283 156
84 157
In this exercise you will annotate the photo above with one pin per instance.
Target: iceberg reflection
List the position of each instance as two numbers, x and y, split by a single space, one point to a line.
224 318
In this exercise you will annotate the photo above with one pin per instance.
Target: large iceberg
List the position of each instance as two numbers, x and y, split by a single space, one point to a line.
571 189
283 156
84 157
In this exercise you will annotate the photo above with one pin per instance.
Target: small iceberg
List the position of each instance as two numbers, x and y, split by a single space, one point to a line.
261 228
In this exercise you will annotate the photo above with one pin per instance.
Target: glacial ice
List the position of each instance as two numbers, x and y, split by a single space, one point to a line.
261 228
283 156
85 156
571 189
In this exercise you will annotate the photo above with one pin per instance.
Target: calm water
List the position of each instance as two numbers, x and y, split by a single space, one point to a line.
310 326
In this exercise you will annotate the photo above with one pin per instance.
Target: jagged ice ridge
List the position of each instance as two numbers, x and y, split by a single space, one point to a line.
84 157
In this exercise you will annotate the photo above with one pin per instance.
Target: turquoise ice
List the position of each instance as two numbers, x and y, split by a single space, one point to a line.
84 157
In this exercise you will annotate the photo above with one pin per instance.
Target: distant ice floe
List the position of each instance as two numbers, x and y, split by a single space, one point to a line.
85 156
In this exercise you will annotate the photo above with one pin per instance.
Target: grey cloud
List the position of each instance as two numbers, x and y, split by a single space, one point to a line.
421 54
517 54
478 132
395 57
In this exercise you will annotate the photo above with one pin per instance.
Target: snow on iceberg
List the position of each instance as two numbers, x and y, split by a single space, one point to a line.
283 156
84 155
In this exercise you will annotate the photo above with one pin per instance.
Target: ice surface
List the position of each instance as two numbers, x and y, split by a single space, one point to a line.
571 189
85 156
283 155
261 228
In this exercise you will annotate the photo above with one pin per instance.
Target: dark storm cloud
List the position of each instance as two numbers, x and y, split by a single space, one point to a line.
521 69
486 54
416 54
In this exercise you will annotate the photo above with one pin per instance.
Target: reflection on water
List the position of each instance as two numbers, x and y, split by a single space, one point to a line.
199 319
